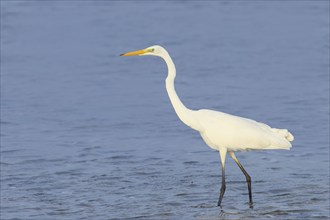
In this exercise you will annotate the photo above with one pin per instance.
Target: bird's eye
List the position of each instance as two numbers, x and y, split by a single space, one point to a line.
152 50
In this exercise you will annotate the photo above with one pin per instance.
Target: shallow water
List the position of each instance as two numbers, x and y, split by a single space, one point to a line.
86 134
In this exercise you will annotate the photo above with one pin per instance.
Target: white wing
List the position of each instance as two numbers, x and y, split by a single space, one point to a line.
219 129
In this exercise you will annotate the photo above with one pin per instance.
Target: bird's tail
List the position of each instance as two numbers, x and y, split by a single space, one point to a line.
285 133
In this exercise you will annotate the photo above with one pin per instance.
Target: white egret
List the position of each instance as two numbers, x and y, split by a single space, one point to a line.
220 131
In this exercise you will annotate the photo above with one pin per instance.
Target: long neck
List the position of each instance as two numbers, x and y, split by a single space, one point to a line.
181 110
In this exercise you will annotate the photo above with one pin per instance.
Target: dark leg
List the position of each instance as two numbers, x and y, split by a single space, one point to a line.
223 186
223 152
248 178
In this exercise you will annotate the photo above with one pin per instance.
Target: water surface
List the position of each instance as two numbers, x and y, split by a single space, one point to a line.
87 134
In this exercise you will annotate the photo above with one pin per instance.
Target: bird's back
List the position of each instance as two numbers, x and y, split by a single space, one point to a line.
219 129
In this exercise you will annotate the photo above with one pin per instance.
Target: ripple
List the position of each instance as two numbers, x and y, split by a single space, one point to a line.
96 137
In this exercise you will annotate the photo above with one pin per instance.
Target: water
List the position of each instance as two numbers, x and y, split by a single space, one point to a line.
87 134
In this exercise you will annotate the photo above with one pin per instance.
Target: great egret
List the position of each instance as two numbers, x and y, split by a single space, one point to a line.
220 131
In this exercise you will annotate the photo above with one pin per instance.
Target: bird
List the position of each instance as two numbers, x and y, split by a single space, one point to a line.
222 132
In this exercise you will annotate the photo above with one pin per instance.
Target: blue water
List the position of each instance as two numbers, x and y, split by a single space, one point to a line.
86 134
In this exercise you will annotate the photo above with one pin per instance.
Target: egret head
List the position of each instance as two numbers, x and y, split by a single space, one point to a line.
153 51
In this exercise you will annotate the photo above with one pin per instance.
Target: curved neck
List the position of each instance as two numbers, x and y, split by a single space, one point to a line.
181 110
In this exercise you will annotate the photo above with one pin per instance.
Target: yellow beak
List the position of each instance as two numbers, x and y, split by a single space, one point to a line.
134 53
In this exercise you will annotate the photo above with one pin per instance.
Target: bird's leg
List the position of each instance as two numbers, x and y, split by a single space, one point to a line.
223 152
248 178
223 186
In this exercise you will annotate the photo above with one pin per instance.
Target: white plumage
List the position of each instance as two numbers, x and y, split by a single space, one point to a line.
221 131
